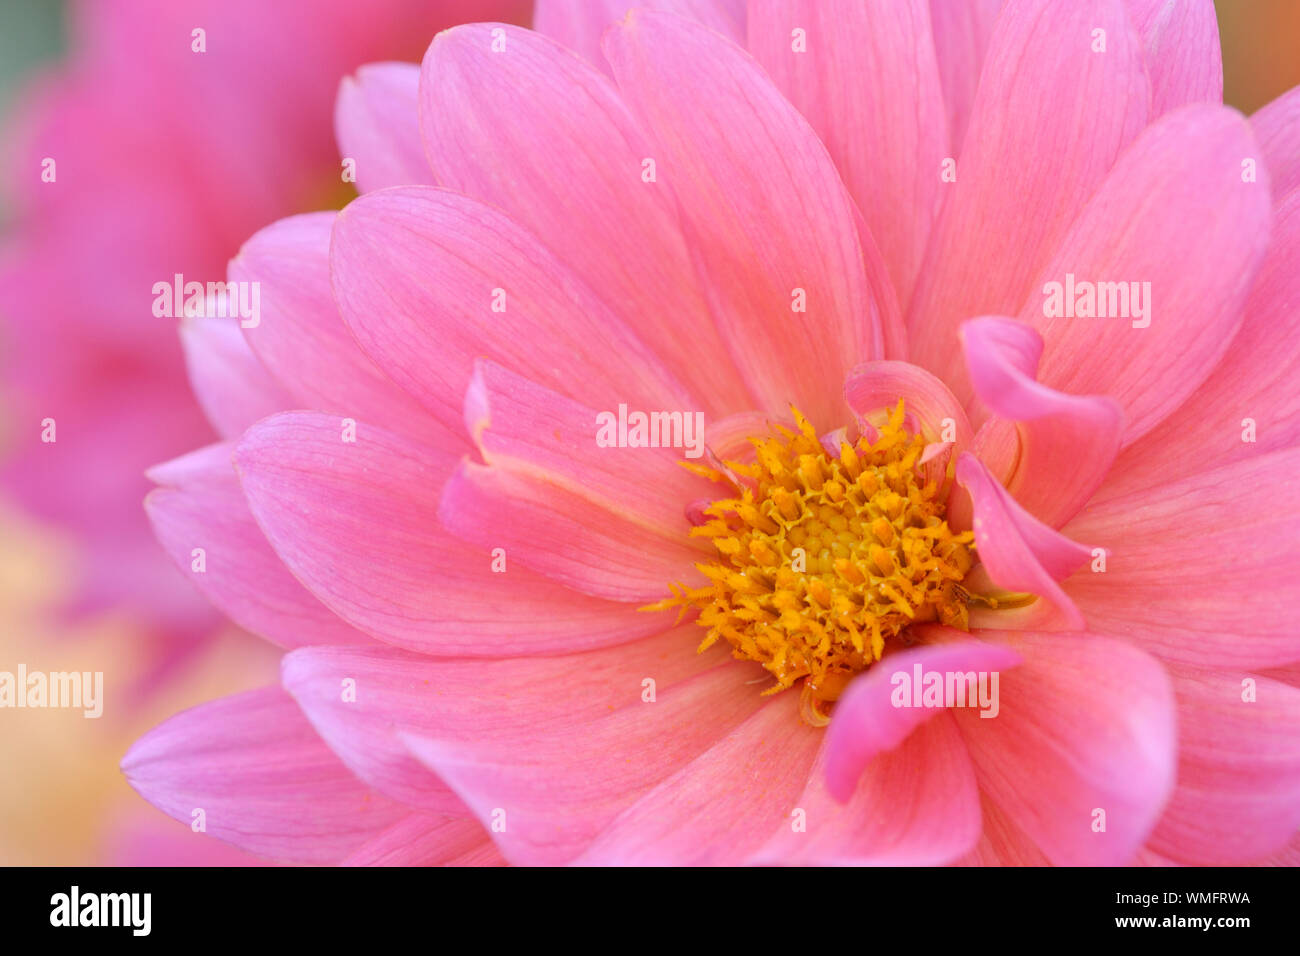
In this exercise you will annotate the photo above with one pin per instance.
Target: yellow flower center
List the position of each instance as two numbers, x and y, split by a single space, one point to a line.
822 560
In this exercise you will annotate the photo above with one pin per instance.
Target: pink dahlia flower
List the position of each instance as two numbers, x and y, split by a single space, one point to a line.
164 159
935 442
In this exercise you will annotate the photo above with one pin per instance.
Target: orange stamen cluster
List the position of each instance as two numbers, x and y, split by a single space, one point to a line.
822 560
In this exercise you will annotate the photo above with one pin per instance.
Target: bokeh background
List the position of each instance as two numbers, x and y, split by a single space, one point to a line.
62 799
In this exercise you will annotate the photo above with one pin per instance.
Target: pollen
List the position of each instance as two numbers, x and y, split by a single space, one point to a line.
824 559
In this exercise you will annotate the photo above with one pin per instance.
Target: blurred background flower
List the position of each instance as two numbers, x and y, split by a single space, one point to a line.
165 160
144 138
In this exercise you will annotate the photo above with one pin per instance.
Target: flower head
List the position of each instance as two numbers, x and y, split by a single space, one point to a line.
840 250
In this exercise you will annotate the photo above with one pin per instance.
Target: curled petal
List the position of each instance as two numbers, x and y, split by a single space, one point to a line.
1018 551
867 722
1067 442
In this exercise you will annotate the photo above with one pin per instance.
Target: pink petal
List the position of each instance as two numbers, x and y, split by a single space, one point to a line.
569 170
868 82
728 438
397 692
579 24
414 272
142 836
561 769
376 122
1049 119
357 702
998 445
204 507
1186 167
1238 793
1002 842
233 387
961 39
886 312
567 537
530 430
1277 129
421 840
1253 389
357 524
867 721
301 338
1198 572
208 465
459 696
1287 674
1018 551
1288 856
252 763
916 805
1086 723
874 386
760 231
1067 442
1181 38
759 769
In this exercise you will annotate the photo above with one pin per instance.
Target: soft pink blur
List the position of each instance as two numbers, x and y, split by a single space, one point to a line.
166 160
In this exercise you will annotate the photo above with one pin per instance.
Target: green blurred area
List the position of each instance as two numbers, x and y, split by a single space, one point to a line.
31 32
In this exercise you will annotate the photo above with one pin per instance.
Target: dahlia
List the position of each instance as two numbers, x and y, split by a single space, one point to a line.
512 641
